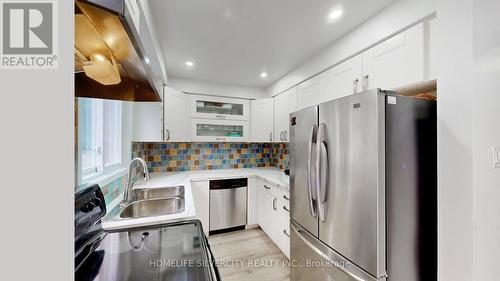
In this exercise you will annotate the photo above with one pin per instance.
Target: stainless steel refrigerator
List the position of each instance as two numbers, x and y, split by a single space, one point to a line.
363 182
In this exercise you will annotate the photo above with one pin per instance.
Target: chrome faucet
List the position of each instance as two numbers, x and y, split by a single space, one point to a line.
131 182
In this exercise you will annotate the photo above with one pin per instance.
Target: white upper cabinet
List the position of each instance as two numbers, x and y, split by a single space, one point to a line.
344 79
205 129
176 117
279 113
261 124
396 62
133 9
312 91
431 50
284 104
219 108
147 121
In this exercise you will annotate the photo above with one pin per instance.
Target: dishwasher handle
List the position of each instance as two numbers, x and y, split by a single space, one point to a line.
228 184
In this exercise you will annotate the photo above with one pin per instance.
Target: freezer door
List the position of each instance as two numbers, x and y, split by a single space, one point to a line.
303 127
313 260
351 179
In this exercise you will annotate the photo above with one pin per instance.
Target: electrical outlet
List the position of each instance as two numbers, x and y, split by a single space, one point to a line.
495 157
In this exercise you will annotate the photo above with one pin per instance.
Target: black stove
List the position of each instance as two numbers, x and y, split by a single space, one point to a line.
175 251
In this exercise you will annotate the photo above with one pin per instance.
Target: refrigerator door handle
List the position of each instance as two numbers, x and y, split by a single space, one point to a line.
323 180
302 235
321 172
310 192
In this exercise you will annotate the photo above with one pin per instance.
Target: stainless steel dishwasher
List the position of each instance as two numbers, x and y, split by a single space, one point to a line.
228 205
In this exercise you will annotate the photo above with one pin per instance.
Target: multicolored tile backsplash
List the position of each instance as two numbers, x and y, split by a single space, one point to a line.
170 157
113 189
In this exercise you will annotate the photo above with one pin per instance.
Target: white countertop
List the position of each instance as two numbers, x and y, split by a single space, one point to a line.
274 176
160 180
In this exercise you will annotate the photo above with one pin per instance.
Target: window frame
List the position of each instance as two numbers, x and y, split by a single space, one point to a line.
99 172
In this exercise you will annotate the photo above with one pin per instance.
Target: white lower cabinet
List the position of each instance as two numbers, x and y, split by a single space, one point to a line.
201 200
284 224
267 206
267 215
253 201
273 215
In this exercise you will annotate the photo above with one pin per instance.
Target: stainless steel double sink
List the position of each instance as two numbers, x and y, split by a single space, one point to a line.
151 202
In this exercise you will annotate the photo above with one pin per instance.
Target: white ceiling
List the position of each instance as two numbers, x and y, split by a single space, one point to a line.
233 41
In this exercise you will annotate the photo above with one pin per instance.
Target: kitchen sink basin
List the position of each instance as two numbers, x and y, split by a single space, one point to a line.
153 207
155 193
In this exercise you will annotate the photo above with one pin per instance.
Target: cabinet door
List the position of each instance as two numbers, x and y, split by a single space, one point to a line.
344 79
396 62
261 119
431 49
220 108
201 199
311 92
176 118
290 106
253 201
266 214
133 9
284 231
147 121
219 130
279 112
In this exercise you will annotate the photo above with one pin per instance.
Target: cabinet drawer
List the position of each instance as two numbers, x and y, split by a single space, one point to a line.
284 232
273 189
284 203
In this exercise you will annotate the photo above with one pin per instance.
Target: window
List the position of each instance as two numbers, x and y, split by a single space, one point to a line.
99 136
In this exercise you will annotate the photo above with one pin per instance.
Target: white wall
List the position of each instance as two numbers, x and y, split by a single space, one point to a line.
215 89
37 167
486 132
468 108
455 177
395 18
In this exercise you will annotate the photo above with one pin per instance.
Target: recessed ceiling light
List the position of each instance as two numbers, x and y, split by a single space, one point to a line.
189 63
335 15
263 74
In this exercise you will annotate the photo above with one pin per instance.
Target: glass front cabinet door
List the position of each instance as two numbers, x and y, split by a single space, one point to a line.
220 108
219 130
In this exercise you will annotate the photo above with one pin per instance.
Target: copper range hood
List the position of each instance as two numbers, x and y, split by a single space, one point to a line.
110 60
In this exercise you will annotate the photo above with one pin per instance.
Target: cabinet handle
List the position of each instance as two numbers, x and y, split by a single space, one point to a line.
220 116
271 136
355 86
284 231
274 205
286 197
365 82
266 187
285 134
286 209
282 136
167 131
220 139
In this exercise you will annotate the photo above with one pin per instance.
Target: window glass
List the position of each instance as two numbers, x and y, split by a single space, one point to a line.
99 136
